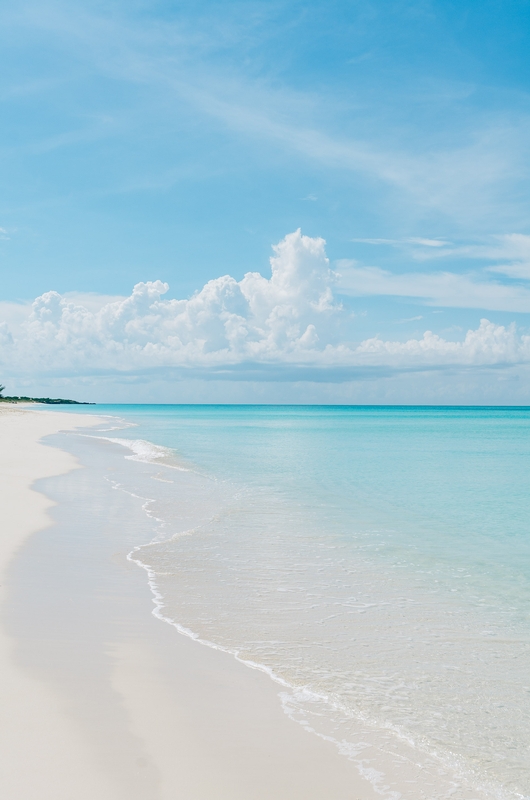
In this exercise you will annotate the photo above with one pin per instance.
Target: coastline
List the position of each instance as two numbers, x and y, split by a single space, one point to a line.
130 709
42 753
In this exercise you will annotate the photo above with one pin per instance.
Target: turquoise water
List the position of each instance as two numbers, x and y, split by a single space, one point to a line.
376 561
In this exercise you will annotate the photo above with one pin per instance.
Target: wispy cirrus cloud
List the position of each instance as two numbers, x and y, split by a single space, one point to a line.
414 240
510 254
447 289
511 251
187 69
511 247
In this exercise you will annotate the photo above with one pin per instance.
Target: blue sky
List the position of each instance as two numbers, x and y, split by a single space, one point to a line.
180 141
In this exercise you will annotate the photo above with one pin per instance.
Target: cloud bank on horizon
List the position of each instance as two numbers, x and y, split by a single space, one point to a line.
292 319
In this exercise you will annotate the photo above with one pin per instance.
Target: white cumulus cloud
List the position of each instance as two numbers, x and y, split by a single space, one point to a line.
488 344
290 319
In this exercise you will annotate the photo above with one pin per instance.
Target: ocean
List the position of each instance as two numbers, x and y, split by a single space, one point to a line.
374 561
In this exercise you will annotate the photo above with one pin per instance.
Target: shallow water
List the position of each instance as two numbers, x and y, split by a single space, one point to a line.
374 560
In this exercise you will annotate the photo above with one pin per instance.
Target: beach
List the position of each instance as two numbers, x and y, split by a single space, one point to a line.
221 602
105 700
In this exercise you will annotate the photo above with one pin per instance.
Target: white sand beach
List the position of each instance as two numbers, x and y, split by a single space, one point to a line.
168 719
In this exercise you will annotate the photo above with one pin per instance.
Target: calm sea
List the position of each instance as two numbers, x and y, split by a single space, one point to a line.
374 560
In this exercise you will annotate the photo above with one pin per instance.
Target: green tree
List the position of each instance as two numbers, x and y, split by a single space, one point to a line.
1 389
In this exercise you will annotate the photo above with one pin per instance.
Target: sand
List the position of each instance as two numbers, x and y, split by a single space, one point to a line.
142 712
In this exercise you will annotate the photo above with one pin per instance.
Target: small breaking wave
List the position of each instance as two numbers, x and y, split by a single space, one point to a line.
147 452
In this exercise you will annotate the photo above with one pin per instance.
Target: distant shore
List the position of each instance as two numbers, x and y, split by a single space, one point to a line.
51 401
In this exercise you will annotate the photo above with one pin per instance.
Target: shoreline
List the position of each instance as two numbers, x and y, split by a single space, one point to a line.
42 754
185 720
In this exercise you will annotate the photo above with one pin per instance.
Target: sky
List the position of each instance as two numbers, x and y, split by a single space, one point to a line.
266 201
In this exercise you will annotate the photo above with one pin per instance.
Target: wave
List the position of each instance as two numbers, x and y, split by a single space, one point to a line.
147 452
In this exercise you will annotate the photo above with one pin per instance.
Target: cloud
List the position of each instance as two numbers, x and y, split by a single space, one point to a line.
436 288
184 60
511 250
489 344
287 324
226 322
6 337
500 247
428 242
14 314
407 241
